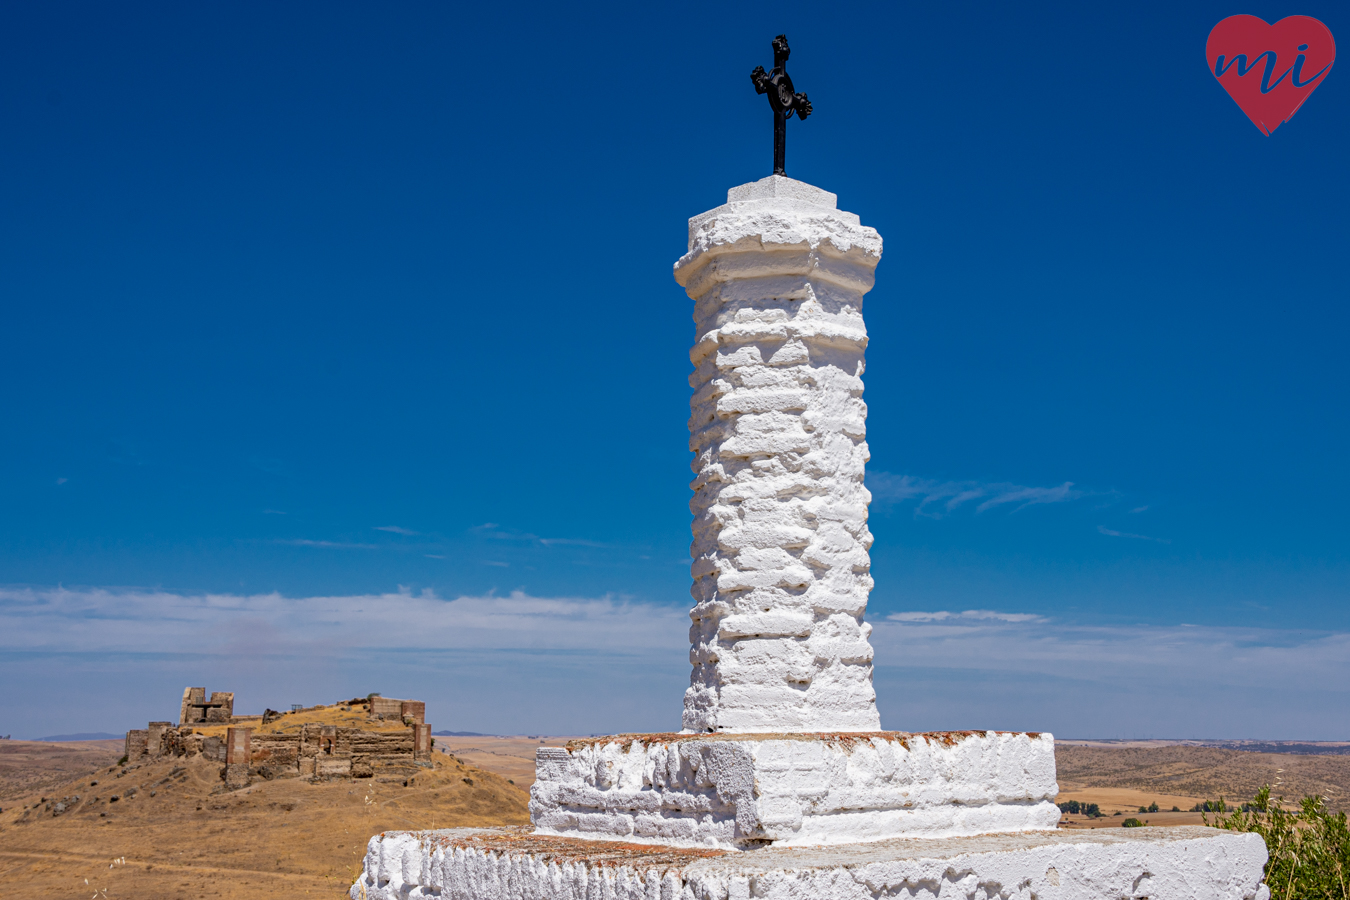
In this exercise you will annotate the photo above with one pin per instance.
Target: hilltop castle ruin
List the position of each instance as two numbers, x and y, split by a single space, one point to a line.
392 738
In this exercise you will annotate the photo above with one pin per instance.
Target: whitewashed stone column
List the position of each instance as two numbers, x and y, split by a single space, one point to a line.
781 570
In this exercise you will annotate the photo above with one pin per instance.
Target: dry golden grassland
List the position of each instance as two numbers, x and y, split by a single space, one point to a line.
180 834
293 838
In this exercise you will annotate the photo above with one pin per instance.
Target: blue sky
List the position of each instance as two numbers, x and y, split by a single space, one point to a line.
311 306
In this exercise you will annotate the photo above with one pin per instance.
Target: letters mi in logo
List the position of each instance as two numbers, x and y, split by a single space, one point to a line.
1270 69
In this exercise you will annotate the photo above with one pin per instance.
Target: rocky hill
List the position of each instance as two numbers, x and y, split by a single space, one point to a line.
168 828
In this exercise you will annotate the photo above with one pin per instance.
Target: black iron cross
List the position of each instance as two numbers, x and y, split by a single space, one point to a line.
778 85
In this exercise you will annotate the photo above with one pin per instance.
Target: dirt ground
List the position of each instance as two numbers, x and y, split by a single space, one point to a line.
178 834
28 767
1203 773
509 756
168 830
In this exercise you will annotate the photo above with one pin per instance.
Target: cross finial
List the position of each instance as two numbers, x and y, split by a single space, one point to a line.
778 85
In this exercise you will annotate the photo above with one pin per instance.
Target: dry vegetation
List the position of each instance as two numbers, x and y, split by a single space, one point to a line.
509 756
31 767
291 838
179 834
1203 773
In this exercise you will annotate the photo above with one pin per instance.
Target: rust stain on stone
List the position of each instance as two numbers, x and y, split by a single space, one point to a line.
847 739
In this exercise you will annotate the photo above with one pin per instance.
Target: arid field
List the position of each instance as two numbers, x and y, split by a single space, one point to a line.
174 832
179 835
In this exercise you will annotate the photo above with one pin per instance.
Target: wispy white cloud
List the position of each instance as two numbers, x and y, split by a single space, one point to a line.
1139 509
141 621
1125 534
327 545
969 614
574 542
939 498
394 529
62 480
582 664
492 530
1269 658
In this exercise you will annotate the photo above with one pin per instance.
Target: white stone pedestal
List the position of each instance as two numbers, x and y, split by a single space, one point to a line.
747 791
1188 863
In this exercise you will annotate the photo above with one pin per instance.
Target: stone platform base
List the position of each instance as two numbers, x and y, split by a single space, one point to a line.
744 791
1187 863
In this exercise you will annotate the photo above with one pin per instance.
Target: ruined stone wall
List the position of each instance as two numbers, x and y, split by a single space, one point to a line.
222 706
156 736
196 708
421 742
402 710
237 757
386 708
323 751
311 750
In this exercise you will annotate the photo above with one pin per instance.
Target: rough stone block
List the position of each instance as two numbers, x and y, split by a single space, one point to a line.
156 737
196 708
421 742
236 775
332 766
237 746
778 428
1188 863
135 743
750 790
386 707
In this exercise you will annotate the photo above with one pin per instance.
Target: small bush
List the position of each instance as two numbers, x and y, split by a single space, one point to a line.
1309 849
1211 806
1131 823
1152 807
122 761
1073 807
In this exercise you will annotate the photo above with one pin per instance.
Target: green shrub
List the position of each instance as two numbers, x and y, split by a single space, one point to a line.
1131 823
1309 848
1073 807
122 761
1152 807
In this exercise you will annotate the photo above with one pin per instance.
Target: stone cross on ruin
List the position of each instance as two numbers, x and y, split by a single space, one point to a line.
782 100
